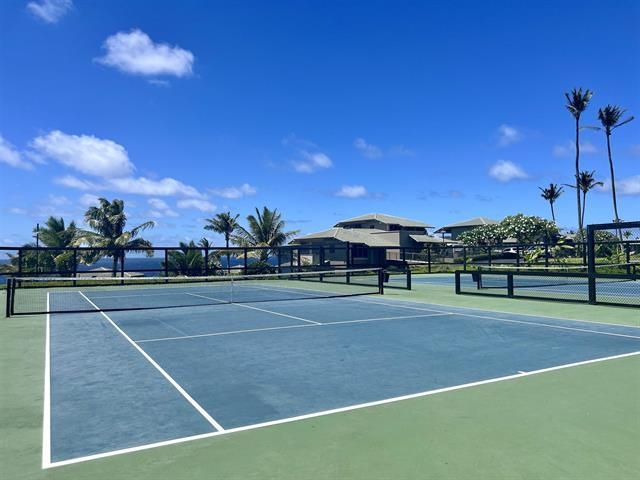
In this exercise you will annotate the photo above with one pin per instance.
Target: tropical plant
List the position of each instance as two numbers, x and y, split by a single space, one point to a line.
609 117
225 224
54 234
265 229
577 102
108 235
529 229
551 194
586 182
188 260
212 256
489 235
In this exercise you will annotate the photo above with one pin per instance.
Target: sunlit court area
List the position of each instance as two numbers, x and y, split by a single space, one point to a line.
319 240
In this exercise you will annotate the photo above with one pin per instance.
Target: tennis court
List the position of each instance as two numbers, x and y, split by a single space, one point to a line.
121 381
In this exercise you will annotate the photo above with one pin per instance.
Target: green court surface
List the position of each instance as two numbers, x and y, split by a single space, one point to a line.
581 422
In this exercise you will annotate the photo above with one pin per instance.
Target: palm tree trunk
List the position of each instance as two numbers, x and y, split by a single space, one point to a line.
226 240
578 173
553 215
584 205
115 264
616 219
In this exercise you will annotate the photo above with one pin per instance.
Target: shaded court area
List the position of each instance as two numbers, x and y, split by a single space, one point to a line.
129 380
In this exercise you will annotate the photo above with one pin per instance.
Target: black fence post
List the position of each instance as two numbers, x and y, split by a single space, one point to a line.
429 257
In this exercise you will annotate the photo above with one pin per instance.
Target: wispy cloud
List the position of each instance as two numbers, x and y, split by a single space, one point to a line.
352 191
50 11
629 186
369 150
202 205
309 158
568 149
243 190
311 162
88 200
506 170
135 53
12 157
77 183
508 134
160 209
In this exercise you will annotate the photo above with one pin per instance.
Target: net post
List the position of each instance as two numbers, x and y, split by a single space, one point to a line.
457 276
510 285
408 277
381 281
9 296
591 263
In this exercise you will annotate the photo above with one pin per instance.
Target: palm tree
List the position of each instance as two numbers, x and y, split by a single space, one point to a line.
609 116
107 223
213 256
188 260
54 234
551 194
577 103
586 182
266 229
224 223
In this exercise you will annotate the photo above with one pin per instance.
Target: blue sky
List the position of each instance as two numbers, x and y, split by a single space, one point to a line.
325 110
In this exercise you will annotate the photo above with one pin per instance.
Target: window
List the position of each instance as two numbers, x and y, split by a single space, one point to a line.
360 251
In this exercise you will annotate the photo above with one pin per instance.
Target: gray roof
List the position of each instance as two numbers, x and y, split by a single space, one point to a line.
474 222
370 236
430 239
383 218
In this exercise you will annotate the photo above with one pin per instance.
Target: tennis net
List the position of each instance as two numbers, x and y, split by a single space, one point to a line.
37 295
535 277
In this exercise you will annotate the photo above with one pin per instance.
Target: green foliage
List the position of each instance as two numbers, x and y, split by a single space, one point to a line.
266 229
187 261
529 229
484 236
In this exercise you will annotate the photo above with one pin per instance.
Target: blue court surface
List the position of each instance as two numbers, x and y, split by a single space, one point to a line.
126 380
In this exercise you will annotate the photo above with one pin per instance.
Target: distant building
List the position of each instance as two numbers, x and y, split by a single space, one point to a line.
369 239
455 229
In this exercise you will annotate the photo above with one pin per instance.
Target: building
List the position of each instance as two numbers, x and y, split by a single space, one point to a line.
455 229
371 239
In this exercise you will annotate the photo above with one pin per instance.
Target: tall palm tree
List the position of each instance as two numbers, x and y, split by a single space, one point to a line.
609 116
224 223
107 223
551 194
586 182
266 229
213 255
577 103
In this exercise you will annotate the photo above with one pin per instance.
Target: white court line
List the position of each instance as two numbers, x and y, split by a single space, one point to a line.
507 320
46 414
287 327
162 371
339 410
259 309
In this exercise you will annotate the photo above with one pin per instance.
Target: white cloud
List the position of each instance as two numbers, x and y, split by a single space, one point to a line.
367 149
11 156
85 153
161 209
506 170
352 191
50 11
135 53
400 151
629 186
145 186
508 134
58 200
202 205
234 192
312 162
568 149
77 183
